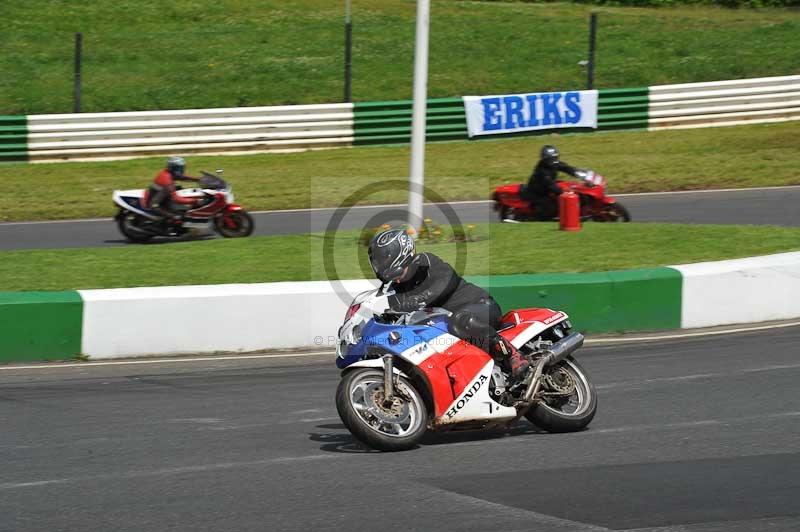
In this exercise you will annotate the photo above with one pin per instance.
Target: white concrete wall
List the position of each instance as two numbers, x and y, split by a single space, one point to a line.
249 317
204 319
747 290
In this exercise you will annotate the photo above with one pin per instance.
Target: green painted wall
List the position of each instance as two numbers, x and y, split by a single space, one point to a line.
13 138
40 325
597 302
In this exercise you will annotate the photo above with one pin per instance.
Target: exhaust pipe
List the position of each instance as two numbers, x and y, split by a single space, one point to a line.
557 352
563 348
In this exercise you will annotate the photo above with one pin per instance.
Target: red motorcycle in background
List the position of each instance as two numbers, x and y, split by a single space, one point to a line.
214 211
512 205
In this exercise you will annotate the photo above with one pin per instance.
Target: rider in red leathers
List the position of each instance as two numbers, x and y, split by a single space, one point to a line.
163 195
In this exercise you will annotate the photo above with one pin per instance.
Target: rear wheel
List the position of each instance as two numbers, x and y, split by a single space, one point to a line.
569 400
236 224
395 427
128 224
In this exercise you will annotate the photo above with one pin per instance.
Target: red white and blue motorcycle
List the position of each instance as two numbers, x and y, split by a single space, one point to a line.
404 374
214 210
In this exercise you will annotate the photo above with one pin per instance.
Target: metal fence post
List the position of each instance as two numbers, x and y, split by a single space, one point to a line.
348 54
78 65
592 46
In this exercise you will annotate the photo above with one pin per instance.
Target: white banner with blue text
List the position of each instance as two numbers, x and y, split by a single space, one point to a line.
492 115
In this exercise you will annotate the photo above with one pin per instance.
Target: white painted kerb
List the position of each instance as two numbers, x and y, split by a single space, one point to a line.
747 290
203 319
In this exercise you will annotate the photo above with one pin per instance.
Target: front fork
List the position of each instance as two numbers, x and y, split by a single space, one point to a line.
388 380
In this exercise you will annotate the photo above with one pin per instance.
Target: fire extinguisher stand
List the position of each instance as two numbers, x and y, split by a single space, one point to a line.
569 212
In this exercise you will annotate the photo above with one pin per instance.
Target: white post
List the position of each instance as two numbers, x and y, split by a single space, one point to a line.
416 180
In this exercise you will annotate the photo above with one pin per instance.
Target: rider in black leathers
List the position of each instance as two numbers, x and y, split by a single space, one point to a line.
424 280
542 189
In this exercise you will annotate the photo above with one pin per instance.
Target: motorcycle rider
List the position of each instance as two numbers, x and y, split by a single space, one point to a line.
424 280
163 195
542 189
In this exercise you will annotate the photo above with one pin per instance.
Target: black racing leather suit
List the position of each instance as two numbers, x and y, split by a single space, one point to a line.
542 189
435 283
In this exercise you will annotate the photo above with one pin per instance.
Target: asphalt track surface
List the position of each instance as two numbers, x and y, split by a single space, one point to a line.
691 435
776 206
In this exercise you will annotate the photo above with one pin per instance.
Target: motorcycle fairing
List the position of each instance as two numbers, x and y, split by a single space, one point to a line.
133 200
597 192
520 326
209 209
474 403
376 363
448 369
425 339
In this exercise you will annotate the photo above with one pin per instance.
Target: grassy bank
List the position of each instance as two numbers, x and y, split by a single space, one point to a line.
148 54
501 249
728 157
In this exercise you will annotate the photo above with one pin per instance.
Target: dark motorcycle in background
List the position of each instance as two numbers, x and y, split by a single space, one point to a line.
512 204
214 211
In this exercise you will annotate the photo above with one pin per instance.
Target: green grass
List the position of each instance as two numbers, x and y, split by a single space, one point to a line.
729 157
149 54
501 249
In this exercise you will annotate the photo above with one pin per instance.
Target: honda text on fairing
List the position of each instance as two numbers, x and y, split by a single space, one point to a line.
404 374
512 204
214 211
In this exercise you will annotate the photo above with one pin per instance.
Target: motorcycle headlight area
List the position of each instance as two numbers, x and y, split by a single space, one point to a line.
348 340
351 335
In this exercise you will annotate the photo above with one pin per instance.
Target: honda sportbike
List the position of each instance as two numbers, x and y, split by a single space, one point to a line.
403 374
513 205
214 210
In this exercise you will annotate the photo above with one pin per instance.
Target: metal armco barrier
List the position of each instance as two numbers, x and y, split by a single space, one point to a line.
390 122
298 127
13 138
105 135
724 103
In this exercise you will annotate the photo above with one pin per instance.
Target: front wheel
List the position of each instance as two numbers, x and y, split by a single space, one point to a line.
235 224
569 400
395 427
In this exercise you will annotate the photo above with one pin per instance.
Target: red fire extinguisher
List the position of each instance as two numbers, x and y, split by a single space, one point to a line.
569 211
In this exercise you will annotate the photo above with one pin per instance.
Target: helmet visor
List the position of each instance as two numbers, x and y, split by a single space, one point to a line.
383 268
